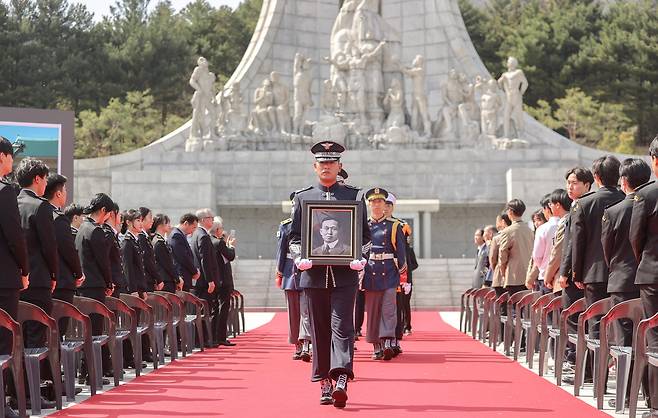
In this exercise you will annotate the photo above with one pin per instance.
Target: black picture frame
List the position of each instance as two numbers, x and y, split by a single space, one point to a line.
323 220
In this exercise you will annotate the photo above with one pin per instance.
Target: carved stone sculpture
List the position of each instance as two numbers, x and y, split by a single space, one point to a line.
420 119
263 116
281 96
394 100
235 118
514 84
490 105
203 106
469 127
453 96
302 97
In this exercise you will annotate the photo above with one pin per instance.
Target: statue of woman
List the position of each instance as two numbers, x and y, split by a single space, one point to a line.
394 99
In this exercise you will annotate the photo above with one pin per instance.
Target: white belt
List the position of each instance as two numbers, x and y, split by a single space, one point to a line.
289 256
382 256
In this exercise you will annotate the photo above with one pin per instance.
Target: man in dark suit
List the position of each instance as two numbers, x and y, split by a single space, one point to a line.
617 250
181 251
13 252
481 259
37 222
205 259
579 181
330 231
590 271
70 272
644 241
225 250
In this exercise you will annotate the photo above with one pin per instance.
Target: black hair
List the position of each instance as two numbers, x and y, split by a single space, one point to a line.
328 218
653 147
539 215
129 216
480 232
28 169
516 206
55 183
144 212
188 218
159 219
545 200
562 197
72 210
6 146
505 218
582 174
98 202
607 169
636 171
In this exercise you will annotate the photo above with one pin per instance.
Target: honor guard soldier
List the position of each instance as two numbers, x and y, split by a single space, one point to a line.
287 279
331 290
386 269
644 240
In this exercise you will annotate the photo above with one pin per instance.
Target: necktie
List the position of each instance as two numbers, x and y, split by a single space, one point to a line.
325 249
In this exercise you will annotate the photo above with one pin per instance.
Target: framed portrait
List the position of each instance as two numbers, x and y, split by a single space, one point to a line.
331 232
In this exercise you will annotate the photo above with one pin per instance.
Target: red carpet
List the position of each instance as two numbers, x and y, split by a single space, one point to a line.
441 373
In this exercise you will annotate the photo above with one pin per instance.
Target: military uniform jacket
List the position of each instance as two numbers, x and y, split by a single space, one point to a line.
182 256
412 262
164 260
37 223
225 255
324 276
587 252
284 262
151 272
13 249
133 263
617 250
382 274
205 259
69 262
118 277
94 252
516 242
644 233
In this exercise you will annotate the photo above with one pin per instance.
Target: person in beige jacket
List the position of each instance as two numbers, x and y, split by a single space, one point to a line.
559 204
502 222
515 249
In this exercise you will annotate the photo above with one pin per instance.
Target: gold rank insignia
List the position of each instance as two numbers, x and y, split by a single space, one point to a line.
636 198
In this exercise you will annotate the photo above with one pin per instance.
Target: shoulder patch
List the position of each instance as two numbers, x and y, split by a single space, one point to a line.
303 190
349 186
286 221
644 185
616 203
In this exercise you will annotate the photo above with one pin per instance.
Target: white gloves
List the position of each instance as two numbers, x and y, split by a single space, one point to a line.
358 265
303 263
406 287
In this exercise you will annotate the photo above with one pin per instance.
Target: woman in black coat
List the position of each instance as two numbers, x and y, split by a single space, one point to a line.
133 264
164 259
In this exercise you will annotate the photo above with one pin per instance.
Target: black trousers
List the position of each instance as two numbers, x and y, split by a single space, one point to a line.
223 304
595 292
406 309
649 296
65 295
359 310
332 331
9 303
97 293
211 298
34 334
169 287
399 326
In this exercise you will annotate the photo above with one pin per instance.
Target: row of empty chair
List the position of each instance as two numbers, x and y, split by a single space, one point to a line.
542 319
182 319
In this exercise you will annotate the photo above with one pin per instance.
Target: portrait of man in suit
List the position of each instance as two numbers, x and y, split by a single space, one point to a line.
330 231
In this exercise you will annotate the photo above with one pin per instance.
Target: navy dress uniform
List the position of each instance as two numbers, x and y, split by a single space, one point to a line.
299 322
164 261
644 241
331 290
385 270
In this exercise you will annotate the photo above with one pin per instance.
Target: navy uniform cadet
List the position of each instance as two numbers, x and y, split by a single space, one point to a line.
617 250
70 272
287 279
37 222
111 227
153 280
404 292
13 253
331 290
386 269
644 240
164 259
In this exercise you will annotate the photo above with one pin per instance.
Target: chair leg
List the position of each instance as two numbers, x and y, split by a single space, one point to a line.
116 351
639 367
602 356
474 324
56 371
518 333
581 353
34 381
543 348
98 364
198 322
508 335
136 344
531 338
173 345
623 371
19 384
561 345
598 379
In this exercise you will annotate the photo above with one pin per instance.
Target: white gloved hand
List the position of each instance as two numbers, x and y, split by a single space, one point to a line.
358 265
407 288
303 263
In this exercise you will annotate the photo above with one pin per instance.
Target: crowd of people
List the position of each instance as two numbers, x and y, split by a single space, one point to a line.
49 251
585 242
327 300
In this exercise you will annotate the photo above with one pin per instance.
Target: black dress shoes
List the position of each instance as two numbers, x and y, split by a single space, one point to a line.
388 349
45 403
226 343
339 394
10 412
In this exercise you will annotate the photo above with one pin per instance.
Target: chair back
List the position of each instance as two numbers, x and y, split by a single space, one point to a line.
162 309
600 307
554 305
126 316
90 306
81 326
630 309
30 312
7 322
641 334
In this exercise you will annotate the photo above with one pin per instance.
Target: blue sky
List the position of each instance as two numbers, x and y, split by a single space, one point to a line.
11 132
102 7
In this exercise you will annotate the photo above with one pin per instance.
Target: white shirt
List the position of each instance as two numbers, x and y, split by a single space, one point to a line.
541 251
